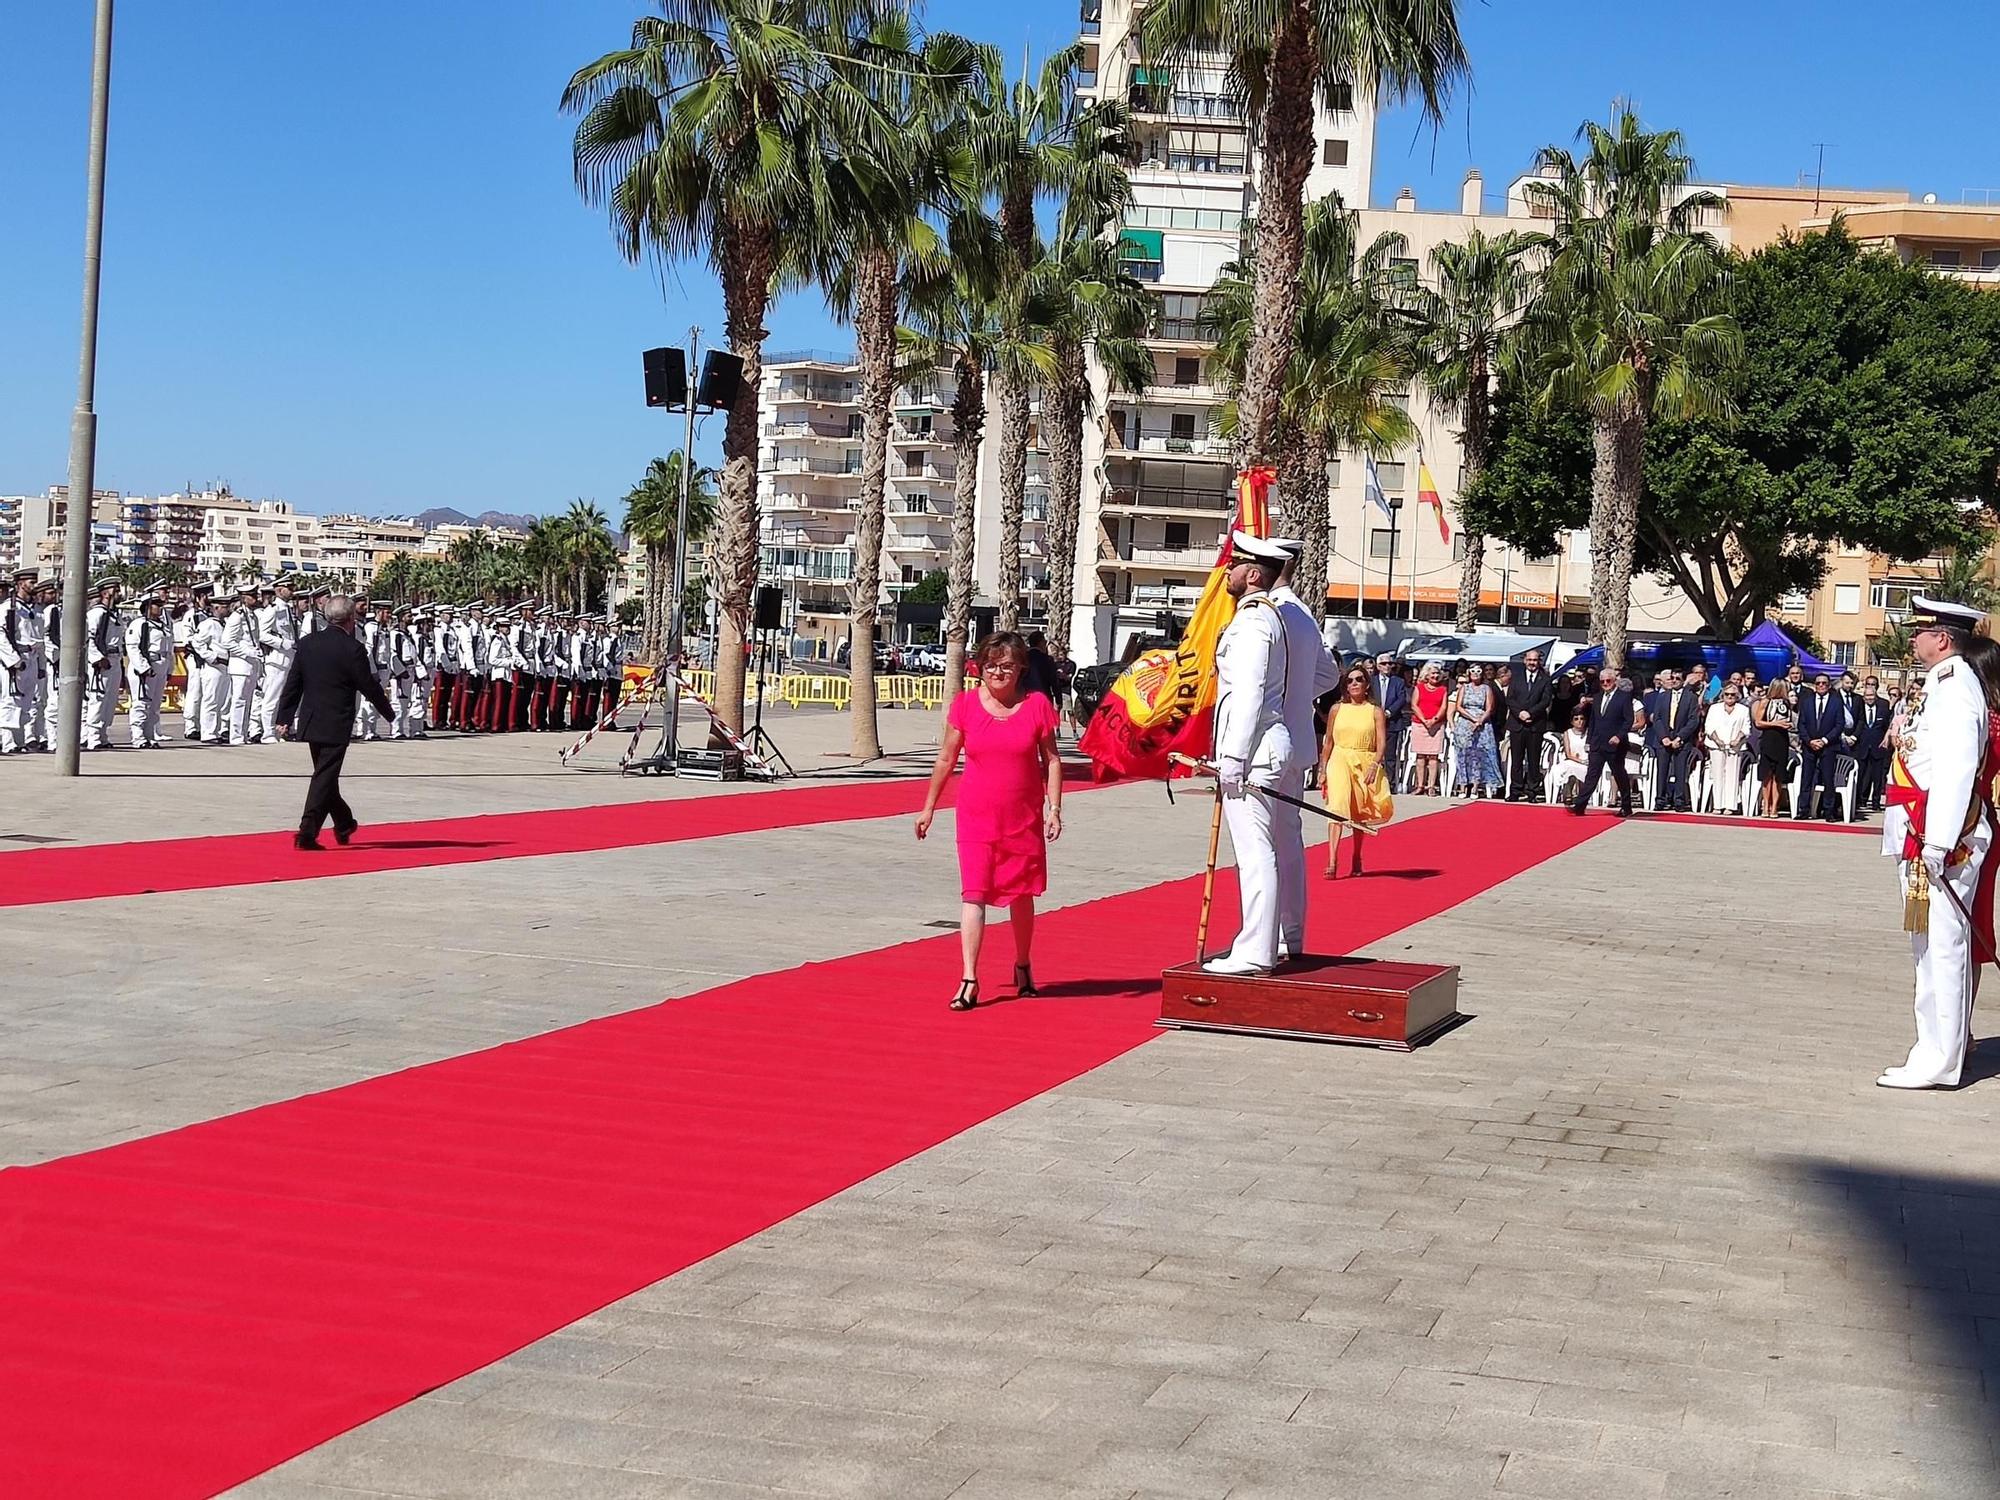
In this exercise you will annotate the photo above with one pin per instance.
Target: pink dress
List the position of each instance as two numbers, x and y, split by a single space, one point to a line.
1001 853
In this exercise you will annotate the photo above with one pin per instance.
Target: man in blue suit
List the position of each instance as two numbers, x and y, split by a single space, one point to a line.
1822 723
1609 730
1674 729
1392 694
1871 749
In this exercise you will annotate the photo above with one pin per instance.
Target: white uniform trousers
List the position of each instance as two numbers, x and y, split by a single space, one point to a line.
214 696
1288 842
193 698
270 687
100 703
1258 831
415 711
49 708
1947 973
242 712
145 709
368 723
402 698
18 724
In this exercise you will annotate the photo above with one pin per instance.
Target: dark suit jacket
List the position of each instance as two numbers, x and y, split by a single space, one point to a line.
1393 695
330 669
1817 723
1851 705
1531 696
1650 700
1685 725
1871 740
1608 719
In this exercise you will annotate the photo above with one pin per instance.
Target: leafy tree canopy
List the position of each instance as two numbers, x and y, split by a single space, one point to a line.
1869 412
929 589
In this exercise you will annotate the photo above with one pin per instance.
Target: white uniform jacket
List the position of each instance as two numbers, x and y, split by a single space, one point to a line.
1946 743
1251 734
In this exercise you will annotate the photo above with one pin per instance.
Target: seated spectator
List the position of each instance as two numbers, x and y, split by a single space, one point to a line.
1572 756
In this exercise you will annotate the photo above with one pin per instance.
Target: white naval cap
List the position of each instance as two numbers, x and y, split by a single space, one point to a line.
1258 549
1926 611
1292 545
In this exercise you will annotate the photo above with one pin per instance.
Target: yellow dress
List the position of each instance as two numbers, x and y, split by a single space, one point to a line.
1350 756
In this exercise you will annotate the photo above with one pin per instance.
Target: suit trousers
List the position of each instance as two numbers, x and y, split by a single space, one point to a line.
1524 761
1602 758
1672 770
1870 784
323 799
1816 769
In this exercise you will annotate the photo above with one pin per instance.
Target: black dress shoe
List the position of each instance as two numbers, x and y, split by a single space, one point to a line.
342 836
307 842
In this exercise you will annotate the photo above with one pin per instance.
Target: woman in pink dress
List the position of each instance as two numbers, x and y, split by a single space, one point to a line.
1009 804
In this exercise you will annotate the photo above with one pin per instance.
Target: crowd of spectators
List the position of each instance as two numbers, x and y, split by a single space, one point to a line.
1696 742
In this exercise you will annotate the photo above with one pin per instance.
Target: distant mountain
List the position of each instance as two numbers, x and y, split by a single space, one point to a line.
444 515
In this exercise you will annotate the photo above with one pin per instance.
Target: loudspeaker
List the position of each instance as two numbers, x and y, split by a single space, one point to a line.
721 377
770 609
666 377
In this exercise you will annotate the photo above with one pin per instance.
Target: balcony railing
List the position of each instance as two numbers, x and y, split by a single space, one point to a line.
793 465
1209 446
808 430
1159 497
1187 330
1170 557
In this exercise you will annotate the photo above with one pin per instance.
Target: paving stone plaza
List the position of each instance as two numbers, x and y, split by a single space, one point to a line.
1642 1227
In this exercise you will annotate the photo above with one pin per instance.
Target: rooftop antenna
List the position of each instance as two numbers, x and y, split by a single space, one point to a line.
1819 175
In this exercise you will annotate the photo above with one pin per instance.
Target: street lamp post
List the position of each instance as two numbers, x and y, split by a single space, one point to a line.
83 423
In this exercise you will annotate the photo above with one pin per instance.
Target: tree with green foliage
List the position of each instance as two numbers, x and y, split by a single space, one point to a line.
933 588
1630 325
1867 416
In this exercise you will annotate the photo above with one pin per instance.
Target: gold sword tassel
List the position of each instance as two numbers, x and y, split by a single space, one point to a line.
1917 898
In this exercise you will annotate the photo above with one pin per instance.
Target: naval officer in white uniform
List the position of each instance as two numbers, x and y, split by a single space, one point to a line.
1943 759
1264 673
1303 688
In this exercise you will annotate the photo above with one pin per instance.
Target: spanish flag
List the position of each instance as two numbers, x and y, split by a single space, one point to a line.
1427 494
1165 700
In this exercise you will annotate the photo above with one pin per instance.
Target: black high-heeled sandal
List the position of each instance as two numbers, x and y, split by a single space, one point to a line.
1024 980
967 996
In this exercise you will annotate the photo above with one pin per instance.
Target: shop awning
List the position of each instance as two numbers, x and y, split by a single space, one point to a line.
1142 244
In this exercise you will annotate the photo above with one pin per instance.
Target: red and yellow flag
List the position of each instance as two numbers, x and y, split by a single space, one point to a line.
1427 494
1165 700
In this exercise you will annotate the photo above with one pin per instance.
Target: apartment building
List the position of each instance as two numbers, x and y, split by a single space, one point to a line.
267 536
171 529
809 489
358 545
32 528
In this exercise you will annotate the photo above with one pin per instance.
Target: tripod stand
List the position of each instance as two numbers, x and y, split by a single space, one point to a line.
759 738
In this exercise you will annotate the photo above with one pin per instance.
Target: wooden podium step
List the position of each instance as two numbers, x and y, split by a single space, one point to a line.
1375 1002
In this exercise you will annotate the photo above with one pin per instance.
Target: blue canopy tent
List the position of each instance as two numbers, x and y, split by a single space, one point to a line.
1769 636
1764 653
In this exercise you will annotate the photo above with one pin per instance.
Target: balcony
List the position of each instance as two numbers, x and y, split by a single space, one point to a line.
915 436
818 394
1180 331
1159 498
817 431
1180 559
1193 395
926 471
1210 446
1166 596
796 465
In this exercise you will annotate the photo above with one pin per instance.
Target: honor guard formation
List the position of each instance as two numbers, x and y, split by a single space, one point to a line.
478 669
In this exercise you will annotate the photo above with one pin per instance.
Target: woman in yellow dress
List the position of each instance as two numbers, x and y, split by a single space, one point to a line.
1356 786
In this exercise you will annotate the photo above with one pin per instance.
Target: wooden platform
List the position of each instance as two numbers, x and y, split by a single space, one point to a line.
1374 1002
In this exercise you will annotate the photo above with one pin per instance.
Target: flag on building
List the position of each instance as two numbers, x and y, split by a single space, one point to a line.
1371 489
1165 700
1427 494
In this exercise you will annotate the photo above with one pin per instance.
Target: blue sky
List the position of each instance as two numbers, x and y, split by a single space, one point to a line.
345 265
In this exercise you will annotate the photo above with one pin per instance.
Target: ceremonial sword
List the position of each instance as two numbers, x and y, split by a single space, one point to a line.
1203 768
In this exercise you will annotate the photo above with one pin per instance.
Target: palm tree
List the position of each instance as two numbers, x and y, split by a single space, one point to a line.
1031 140
652 516
588 549
468 553
1466 320
1965 577
898 160
1281 56
1352 354
1088 303
698 138
543 557
963 322
1630 323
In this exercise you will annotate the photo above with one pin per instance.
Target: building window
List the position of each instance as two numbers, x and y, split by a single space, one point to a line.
1206 151
1794 603
1333 473
1187 372
1844 652
1180 316
1940 256
1378 541
1340 98
1989 260
913 505
1333 154
1893 594
1183 426
1391 476
1847 598
1177 536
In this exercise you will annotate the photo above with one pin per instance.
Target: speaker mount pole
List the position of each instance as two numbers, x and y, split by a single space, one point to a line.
676 633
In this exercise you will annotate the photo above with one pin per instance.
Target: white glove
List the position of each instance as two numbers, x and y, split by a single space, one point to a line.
1934 857
1234 777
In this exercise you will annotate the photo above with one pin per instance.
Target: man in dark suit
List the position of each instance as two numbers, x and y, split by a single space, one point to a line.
1392 694
1822 722
1609 730
1675 729
1871 749
330 669
1529 695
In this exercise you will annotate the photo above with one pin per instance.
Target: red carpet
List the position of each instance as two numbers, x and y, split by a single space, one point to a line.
88 871
183 1312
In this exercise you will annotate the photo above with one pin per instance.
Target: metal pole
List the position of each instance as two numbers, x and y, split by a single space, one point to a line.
675 630
83 423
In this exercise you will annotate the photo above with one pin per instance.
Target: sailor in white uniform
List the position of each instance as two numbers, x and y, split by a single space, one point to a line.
278 636
213 652
103 659
1939 786
1254 749
149 661
20 664
187 629
1311 673
246 667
